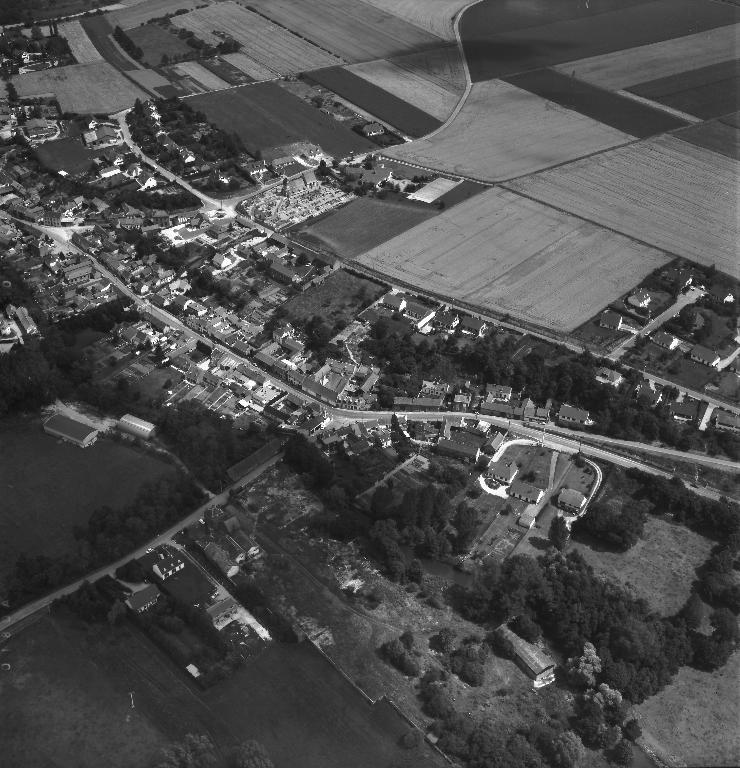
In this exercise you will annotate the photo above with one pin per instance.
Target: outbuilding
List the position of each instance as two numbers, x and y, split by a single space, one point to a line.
135 426
71 430
539 666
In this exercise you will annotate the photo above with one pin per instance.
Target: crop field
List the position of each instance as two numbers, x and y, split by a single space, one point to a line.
249 66
79 43
149 80
503 132
267 116
270 45
436 16
99 31
409 119
141 13
49 486
354 31
409 86
706 92
632 66
363 224
612 109
715 135
693 721
443 66
502 252
518 37
83 88
665 192
200 74
156 42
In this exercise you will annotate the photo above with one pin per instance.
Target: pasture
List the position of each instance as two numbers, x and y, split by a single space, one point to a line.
518 37
49 486
503 132
436 16
409 86
632 66
504 253
140 13
249 66
79 43
266 116
269 44
705 92
370 98
354 31
99 31
665 192
717 135
156 42
83 88
362 224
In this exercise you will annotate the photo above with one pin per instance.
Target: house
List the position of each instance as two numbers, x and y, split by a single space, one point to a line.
528 517
665 340
223 612
146 181
686 410
135 426
721 295
418 404
611 320
222 261
536 664
705 356
610 377
447 320
459 449
571 501
420 313
726 421
493 442
461 402
395 301
143 599
526 492
168 564
72 431
571 415
502 471
498 393
372 129
218 556
647 395
473 326
640 298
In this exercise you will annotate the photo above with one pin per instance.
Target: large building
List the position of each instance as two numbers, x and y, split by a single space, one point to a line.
71 430
136 427
539 666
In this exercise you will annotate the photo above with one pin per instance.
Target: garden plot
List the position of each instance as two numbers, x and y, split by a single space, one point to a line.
504 253
79 43
355 31
665 192
503 132
632 66
270 45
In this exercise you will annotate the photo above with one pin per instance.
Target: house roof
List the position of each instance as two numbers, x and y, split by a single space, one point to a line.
688 409
535 660
75 430
704 354
610 319
473 323
572 414
501 468
571 498
663 339
726 419
527 491
143 597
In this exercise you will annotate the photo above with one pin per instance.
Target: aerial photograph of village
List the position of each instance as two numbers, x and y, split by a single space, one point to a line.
369 383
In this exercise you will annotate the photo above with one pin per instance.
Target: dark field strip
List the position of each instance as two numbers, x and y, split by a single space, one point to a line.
408 119
715 135
98 30
462 192
266 116
609 108
706 92
530 44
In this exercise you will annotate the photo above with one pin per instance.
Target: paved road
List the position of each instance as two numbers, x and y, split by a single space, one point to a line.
42 603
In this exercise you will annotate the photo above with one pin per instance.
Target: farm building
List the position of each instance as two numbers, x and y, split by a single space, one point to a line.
71 430
705 356
572 415
143 599
136 427
728 421
571 500
373 129
539 666
526 492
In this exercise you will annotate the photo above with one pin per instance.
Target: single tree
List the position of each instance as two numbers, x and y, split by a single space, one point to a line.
559 533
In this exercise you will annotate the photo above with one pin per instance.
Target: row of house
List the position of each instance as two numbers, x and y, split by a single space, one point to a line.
424 316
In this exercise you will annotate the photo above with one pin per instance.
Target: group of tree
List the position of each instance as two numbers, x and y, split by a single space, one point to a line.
127 44
199 751
403 654
619 526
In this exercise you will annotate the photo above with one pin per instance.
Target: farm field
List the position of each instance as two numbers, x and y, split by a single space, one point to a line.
715 135
270 45
665 192
249 66
706 92
79 43
150 80
197 72
362 224
267 116
354 31
409 86
693 720
227 72
503 252
156 42
443 66
519 37
49 486
632 66
612 109
503 132
134 15
408 118
436 16
660 568
83 88
99 30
